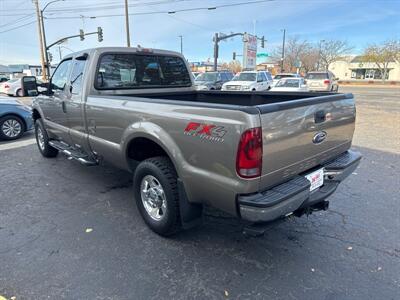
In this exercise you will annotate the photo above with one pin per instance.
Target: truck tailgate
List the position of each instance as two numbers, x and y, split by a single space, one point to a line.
301 134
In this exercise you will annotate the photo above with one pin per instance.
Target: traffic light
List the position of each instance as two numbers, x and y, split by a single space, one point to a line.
234 56
263 42
100 34
81 34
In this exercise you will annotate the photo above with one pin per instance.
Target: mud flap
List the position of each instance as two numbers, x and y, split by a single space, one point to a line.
191 213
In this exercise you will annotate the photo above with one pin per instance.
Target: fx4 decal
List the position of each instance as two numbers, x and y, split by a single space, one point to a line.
206 131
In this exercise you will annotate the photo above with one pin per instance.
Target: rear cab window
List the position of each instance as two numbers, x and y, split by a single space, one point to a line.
137 71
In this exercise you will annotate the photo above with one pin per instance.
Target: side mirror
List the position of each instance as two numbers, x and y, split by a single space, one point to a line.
29 86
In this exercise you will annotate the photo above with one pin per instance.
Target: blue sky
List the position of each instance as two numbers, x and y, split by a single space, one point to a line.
359 22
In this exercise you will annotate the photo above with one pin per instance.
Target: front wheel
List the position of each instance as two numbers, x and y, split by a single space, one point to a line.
156 195
19 93
11 128
42 140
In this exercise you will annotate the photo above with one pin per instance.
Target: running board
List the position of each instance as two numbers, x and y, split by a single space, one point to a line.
72 153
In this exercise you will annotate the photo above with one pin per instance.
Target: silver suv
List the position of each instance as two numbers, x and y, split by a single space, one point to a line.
322 81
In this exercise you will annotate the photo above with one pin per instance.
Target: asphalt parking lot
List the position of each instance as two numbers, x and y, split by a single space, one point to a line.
73 232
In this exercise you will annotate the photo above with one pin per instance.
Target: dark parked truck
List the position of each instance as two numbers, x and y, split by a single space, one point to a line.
257 156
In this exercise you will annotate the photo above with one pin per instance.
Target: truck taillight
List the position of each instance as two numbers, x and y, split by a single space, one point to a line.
6 86
327 81
249 155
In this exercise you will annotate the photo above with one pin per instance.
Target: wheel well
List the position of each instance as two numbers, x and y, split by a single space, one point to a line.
35 115
140 149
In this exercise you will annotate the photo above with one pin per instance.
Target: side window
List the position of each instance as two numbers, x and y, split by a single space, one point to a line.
60 76
225 77
269 76
259 77
264 77
77 76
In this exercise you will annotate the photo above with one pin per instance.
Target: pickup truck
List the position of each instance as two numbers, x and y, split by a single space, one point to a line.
259 156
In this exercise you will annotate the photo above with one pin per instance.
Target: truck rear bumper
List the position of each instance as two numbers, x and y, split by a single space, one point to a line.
295 194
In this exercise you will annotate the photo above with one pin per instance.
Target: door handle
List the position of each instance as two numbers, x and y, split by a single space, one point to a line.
319 116
64 107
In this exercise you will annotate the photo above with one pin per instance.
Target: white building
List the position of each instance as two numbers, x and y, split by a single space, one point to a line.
355 68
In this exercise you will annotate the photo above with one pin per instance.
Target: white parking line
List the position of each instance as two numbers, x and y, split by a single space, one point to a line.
17 144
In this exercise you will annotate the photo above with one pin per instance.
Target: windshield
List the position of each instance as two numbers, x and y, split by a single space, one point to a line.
317 76
280 76
292 83
245 77
207 77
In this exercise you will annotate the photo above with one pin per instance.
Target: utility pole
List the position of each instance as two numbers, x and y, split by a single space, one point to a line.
42 50
216 48
283 49
319 53
181 37
45 45
128 39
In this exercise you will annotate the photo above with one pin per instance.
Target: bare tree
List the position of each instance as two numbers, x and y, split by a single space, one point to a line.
332 51
235 66
383 55
309 59
296 50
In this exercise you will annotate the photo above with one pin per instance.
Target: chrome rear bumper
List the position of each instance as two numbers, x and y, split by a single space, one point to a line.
295 194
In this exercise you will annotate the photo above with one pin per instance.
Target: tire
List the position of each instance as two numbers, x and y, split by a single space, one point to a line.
162 170
41 135
19 93
11 128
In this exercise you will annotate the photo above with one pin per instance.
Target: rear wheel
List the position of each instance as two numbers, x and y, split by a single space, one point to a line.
156 195
42 140
11 128
19 93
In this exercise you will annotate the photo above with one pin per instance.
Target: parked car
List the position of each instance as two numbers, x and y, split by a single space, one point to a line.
289 84
279 76
212 80
195 74
249 81
13 87
324 81
3 79
15 118
259 157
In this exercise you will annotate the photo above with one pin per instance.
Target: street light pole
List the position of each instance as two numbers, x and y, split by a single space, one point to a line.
128 39
283 49
181 37
46 54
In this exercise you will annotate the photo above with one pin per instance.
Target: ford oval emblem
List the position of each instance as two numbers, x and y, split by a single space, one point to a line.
319 137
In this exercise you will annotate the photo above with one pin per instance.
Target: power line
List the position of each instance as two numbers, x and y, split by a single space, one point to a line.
17 20
20 26
169 11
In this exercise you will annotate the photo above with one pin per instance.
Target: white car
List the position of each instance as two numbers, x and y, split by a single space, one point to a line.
279 76
249 81
290 85
13 87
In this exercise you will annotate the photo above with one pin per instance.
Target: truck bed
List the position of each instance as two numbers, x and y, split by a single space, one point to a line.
226 100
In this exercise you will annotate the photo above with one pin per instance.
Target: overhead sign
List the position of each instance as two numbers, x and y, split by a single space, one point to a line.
262 55
249 51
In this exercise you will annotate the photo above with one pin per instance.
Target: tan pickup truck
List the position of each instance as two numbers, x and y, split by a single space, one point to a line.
259 156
